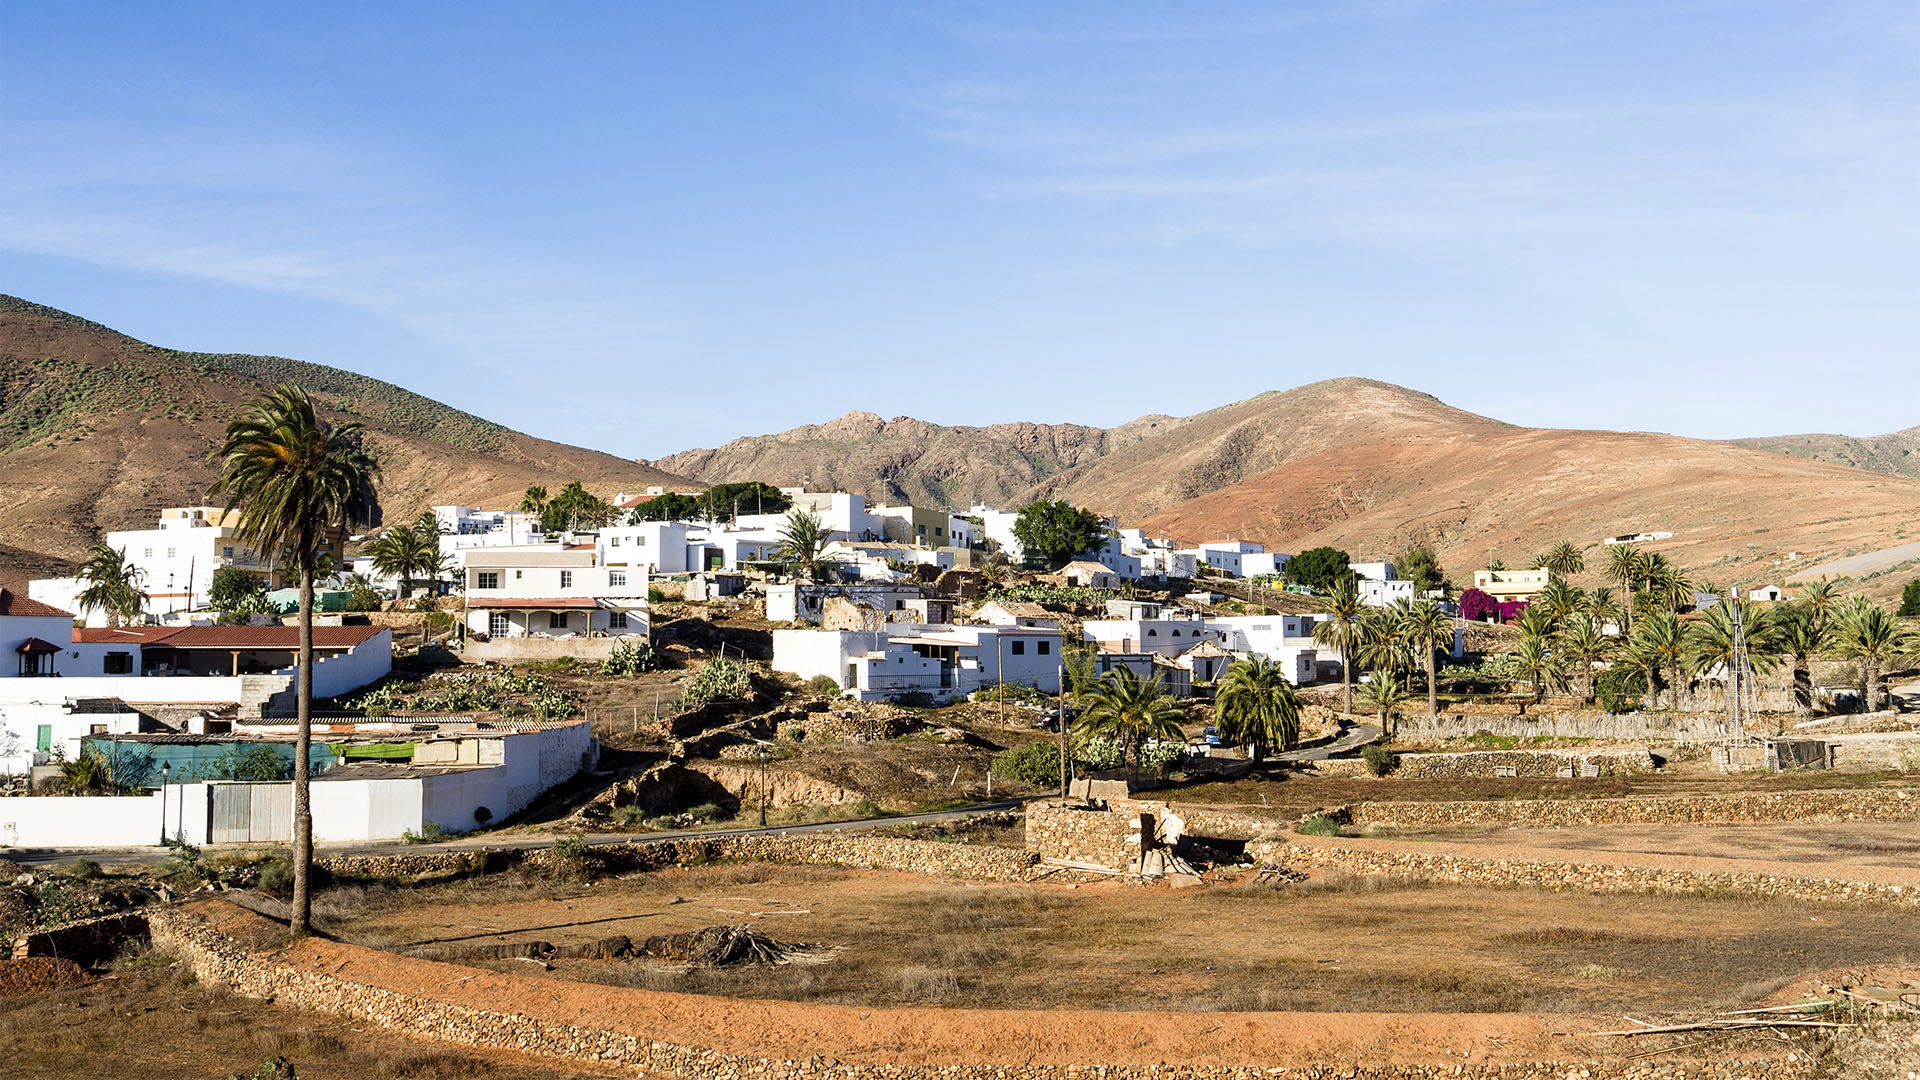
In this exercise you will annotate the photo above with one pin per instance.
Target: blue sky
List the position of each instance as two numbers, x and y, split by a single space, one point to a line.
648 227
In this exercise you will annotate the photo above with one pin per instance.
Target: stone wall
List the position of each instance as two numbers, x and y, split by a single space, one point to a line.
715 1039
1599 877
1532 763
1084 834
1746 807
87 941
1560 723
974 861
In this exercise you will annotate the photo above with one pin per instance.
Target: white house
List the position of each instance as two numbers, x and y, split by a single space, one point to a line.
656 547
1263 563
1767 594
844 516
551 591
797 601
1379 585
1284 639
1166 637
1227 556
940 661
1017 613
997 526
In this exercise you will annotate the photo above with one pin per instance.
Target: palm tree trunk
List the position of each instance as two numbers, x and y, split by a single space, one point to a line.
1346 678
1870 681
301 913
1433 690
1675 690
1802 691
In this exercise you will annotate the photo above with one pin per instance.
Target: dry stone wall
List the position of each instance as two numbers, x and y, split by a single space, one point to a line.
1531 763
1746 807
1084 834
1456 723
1554 874
410 995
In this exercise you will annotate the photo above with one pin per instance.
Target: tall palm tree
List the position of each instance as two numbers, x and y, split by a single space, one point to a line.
1534 662
1804 633
1380 645
1384 695
1583 645
1600 606
1625 567
1871 636
1255 706
1712 644
1659 645
1563 560
1425 626
1130 710
1340 629
803 541
405 552
112 585
297 482
1558 600
1667 584
1823 597
534 501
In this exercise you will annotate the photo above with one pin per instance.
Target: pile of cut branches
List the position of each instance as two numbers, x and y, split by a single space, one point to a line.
726 946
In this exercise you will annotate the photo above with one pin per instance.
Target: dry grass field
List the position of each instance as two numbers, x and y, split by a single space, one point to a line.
1336 944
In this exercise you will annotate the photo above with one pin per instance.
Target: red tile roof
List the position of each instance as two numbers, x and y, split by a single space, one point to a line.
12 603
538 605
267 637
130 635
35 645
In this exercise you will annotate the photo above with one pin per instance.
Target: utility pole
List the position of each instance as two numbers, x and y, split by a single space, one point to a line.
1060 701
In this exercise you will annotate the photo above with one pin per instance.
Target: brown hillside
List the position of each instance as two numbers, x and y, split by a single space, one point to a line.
1897 452
99 430
1477 492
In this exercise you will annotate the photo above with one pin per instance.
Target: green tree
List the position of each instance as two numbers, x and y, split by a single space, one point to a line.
1562 560
297 482
576 508
1558 600
1340 629
1319 569
1805 633
1534 662
1383 694
803 542
534 501
1582 644
1910 599
1625 567
1425 627
406 553
723 502
1130 710
1255 706
668 507
234 591
1601 606
1711 640
1380 645
1056 531
1419 565
112 584
1872 637
1659 647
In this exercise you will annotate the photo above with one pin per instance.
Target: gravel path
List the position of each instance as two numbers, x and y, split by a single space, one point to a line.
1854 565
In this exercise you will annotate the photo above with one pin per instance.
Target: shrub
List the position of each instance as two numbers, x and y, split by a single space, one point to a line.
1476 605
630 658
1100 753
1318 825
629 816
1033 763
276 878
1380 760
655 594
1160 755
824 685
84 869
255 763
482 815
570 857
723 679
794 734
1910 598
430 832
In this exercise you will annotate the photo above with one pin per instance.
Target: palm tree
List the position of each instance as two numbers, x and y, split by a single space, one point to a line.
1380 645
1536 621
297 482
1659 645
1535 663
1340 629
1667 584
112 585
1563 560
1130 710
803 542
1383 694
1255 706
534 501
1871 636
1600 606
405 552
1583 645
1804 633
1558 600
1425 626
1625 567
1824 598
1711 644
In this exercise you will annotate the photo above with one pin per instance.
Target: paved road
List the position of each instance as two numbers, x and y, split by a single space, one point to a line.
1357 736
502 842
1855 565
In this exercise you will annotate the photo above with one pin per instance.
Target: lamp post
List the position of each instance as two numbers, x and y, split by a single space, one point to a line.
165 768
763 786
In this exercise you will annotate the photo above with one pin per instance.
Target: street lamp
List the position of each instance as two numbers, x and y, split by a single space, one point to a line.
165 768
763 785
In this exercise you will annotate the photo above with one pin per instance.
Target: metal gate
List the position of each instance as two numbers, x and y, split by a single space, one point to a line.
244 813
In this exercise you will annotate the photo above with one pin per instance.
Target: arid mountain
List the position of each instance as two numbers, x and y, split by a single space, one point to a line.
99 430
913 460
1897 453
1369 467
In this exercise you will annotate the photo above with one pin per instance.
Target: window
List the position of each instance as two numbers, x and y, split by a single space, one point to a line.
1153 633
517 574
1262 626
566 579
923 530
227 552
616 620
146 553
118 663
556 620
639 541
487 579
616 577
615 542
498 624
170 553
936 531
96 729
1019 648
1176 633
1046 648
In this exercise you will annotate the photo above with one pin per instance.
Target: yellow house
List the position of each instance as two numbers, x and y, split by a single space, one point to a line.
912 525
1512 584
